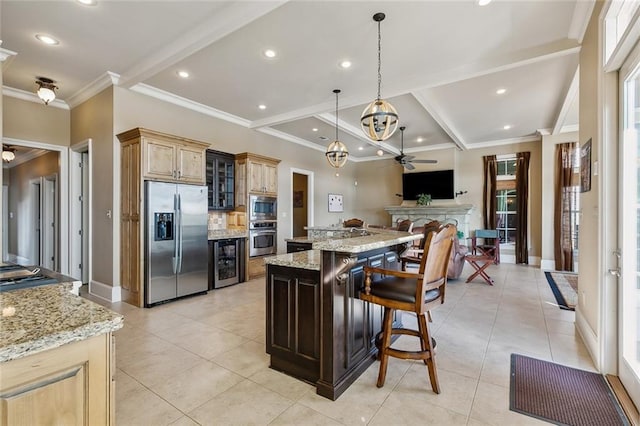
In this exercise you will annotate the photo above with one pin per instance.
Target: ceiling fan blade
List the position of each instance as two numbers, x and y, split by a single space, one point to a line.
425 161
409 157
408 166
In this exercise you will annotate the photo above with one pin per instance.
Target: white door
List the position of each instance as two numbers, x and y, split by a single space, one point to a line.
629 225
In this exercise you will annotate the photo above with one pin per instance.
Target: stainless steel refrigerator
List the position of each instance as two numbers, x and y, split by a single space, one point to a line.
176 241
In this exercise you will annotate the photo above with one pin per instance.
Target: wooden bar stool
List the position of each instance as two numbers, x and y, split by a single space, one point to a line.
480 263
399 290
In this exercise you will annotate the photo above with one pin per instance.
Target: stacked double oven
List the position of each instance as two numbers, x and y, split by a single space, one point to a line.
263 224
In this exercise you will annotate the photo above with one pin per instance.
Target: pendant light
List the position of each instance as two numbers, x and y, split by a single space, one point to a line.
337 152
379 119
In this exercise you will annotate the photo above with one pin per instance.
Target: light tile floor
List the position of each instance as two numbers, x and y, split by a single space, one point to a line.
202 360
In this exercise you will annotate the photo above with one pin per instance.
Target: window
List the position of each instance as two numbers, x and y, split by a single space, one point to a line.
506 215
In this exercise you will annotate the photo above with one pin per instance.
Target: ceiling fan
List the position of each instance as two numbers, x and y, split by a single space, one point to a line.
407 160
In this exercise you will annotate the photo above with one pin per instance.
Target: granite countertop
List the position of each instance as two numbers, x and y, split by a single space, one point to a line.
308 259
305 240
46 317
376 239
222 234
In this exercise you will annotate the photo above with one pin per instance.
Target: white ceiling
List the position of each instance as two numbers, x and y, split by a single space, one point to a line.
442 62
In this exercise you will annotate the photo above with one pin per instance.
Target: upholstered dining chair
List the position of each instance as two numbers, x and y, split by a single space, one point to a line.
412 292
405 225
486 242
353 223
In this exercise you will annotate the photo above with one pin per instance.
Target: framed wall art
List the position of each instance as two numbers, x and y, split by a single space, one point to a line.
335 203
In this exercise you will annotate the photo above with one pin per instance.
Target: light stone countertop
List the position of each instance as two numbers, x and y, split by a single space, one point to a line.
308 259
222 234
40 318
376 239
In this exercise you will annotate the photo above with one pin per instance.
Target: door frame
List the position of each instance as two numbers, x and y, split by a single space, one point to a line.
35 237
310 196
63 156
75 213
49 206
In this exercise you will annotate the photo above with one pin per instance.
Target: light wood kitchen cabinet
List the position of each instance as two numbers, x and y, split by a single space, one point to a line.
255 174
149 155
69 385
172 159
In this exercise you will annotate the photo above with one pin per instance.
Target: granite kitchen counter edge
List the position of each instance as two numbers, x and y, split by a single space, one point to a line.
308 259
46 317
375 240
223 234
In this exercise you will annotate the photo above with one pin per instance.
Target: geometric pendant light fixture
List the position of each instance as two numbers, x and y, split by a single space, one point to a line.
46 89
337 152
379 119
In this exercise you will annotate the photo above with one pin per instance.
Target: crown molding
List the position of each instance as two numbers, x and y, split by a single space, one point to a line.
23 158
290 138
489 144
6 54
32 97
580 20
569 98
564 129
90 90
154 92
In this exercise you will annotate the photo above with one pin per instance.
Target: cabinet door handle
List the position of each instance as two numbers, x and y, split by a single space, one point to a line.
179 174
173 174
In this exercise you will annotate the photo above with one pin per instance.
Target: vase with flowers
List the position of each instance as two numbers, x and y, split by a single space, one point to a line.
423 199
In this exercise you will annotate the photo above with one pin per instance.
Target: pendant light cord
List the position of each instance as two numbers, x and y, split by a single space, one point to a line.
337 114
379 62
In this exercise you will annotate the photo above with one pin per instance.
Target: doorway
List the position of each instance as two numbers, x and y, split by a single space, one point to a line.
628 226
301 201
80 220
49 222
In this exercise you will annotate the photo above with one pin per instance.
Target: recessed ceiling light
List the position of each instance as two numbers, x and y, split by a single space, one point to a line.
501 91
360 148
262 106
380 153
345 64
270 53
47 39
507 127
88 2
483 2
315 129
419 140
183 74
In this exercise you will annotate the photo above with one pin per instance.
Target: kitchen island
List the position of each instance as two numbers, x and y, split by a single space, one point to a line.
317 328
57 357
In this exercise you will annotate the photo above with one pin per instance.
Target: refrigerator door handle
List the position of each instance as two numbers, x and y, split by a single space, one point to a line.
180 234
176 227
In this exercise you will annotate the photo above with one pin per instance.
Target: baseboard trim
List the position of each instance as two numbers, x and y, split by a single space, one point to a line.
105 291
589 337
548 264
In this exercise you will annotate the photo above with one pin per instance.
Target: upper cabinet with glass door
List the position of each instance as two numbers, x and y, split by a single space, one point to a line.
220 180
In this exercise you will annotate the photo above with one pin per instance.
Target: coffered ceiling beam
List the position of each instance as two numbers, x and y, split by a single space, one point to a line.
569 98
437 115
420 81
226 20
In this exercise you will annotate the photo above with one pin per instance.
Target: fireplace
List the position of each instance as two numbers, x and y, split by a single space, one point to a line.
419 215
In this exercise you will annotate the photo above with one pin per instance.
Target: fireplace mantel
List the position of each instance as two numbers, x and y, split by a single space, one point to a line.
442 212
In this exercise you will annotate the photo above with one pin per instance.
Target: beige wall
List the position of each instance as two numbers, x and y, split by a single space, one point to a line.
94 119
589 244
35 122
21 208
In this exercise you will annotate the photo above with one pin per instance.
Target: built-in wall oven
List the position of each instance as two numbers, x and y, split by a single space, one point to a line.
262 238
263 208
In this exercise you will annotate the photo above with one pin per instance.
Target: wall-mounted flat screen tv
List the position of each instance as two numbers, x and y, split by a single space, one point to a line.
438 183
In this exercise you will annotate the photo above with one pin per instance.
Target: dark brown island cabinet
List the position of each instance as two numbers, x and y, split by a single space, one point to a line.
293 246
318 330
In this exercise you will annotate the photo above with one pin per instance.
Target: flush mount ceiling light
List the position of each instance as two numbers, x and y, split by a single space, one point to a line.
337 152
379 119
47 39
345 64
262 106
8 154
46 89
270 53
183 74
501 91
506 127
